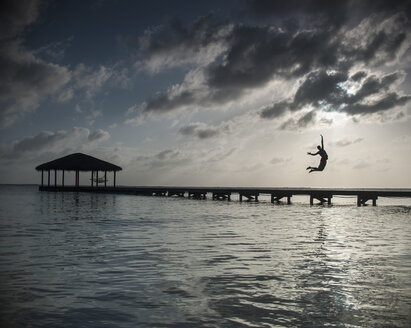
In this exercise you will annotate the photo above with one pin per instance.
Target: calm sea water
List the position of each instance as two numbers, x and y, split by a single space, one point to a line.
96 260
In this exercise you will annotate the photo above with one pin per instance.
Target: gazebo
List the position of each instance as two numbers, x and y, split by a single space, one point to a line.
79 162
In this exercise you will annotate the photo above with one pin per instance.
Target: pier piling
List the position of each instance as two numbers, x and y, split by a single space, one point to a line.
276 198
251 196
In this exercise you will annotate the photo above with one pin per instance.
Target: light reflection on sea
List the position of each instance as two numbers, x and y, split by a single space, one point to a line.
97 260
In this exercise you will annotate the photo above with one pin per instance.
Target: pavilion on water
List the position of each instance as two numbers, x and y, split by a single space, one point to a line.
79 162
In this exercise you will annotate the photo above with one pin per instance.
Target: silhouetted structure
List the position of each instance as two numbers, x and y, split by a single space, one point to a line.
78 162
252 194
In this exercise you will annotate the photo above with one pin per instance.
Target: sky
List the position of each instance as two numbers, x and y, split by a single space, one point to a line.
209 93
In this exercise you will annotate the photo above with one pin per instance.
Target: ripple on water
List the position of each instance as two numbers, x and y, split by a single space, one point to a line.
73 260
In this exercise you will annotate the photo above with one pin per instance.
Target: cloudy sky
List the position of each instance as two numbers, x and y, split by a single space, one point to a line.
209 93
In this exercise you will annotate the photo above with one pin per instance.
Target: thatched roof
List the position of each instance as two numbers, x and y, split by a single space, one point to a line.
78 162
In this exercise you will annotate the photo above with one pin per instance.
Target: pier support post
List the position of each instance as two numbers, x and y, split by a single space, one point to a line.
362 200
277 198
197 194
249 195
321 198
62 178
77 183
221 195
179 193
42 175
55 178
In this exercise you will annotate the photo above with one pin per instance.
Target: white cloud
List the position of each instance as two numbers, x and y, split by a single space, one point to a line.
91 80
98 136
280 160
346 142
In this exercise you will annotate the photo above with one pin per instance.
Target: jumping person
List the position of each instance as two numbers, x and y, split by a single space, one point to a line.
324 157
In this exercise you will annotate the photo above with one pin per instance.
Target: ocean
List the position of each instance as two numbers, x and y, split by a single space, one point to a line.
105 260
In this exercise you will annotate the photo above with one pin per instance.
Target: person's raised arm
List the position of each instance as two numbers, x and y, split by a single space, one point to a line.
322 142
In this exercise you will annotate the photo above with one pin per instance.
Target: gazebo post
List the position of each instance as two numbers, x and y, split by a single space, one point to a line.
77 178
114 181
55 177
92 176
62 178
42 173
48 178
105 178
97 178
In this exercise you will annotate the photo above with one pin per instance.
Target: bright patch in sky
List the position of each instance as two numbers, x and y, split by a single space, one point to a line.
223 93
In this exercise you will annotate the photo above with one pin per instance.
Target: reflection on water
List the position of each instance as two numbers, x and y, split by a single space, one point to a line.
88 260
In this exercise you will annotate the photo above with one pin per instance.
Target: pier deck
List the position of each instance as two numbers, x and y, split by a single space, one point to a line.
322 195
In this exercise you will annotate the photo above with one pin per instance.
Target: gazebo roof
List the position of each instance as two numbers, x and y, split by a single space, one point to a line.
78 162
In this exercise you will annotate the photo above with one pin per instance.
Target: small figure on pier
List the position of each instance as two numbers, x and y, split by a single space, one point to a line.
324 157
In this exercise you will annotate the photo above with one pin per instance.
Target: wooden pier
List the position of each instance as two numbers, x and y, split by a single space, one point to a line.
320 195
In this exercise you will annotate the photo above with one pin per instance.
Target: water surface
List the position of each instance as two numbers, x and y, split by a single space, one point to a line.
100 260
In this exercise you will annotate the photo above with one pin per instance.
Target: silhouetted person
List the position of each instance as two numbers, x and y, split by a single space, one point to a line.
324 157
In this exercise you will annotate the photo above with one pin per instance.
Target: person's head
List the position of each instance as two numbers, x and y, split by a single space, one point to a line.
319 147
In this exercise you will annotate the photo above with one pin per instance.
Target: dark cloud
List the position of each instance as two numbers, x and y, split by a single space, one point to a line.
16 15
304 121
327 91
318 87
25 79
188 130
174 34
275 110
373 85
169 158
200 131
358 76
164 102
55 142
257 54
325 12
176 44
380 45
220 156
329 40
390 101
41 141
